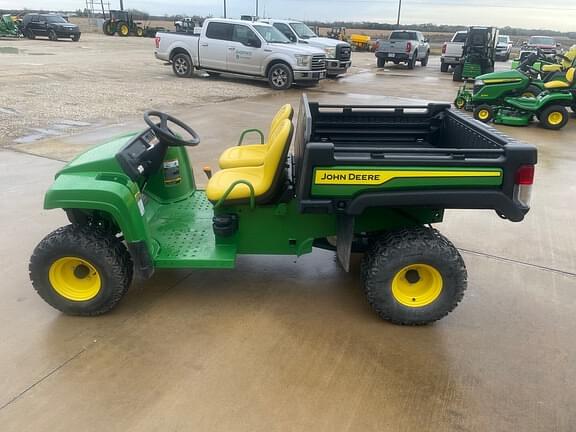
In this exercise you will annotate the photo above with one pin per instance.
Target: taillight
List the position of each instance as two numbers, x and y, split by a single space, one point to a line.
523 184
157 40
408 47
444 46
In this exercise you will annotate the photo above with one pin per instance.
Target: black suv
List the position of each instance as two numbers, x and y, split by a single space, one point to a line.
50 25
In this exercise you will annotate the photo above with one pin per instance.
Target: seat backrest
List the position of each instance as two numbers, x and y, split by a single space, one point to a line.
570 75
285 112
277 153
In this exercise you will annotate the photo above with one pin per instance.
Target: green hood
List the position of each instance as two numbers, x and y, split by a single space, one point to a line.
503 77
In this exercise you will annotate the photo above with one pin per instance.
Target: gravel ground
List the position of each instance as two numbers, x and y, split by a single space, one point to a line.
53 88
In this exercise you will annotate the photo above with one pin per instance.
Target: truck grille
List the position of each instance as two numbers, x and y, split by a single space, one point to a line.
319 62
343 52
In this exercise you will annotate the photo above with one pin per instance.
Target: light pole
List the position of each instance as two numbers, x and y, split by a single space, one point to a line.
224 8
399 9
256 7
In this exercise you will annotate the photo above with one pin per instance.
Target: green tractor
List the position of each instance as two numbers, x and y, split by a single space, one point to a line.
122 23
478 54
524 81
8 27
362 179
549 107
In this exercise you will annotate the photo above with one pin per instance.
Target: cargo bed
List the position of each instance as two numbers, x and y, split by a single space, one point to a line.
351 157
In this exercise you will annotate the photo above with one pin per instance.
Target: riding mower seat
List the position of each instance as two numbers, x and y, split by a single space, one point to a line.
556 84
253 155
264 178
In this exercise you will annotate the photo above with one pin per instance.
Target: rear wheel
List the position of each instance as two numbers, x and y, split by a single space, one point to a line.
457 75
123 29
380 62
413 276
424 61
553 117
280 76
412 61
531 92
52 35
30 34
444 67
182 65
80 271
484 113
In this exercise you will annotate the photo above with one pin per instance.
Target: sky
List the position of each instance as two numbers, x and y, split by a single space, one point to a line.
551 14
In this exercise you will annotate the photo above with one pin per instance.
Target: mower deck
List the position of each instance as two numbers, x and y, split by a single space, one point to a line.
183 235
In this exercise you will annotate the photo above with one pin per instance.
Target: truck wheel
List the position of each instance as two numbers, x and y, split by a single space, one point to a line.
380 62
531 92
182 65
484 113
123 29
413 276
457 75
76 38
280 76
444 67
30 34
424 61
80 270
52 35
412 61
553 117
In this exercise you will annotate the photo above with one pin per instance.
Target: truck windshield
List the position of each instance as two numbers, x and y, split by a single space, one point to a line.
503 39
303 31
403 36
55 19
271 34
460 37
541 40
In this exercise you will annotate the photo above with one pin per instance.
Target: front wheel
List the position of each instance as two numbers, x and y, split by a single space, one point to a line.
30 34
139 32
280 77
460 102
553 117
424 61
413 276
182 65
52 35
76 38
81 270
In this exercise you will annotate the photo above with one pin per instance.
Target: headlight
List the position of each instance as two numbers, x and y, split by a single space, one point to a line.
478 83
303 60
330 52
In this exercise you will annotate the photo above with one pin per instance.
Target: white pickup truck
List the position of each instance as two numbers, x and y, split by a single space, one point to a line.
242 48
338 53
452 51
403 46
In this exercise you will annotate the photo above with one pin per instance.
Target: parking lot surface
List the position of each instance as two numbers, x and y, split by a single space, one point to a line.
276 344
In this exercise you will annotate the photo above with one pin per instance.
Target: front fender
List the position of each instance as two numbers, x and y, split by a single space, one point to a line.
112 193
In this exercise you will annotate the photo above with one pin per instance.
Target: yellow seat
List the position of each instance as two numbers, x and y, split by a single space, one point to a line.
263 178
253 155
562 84
551 68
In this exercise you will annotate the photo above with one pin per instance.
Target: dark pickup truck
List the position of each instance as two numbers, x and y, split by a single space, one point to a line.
350 158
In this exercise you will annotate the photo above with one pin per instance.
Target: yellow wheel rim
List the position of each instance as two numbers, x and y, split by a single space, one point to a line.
74 279
124 30
555 118
460 103
483 114
528 95
417 285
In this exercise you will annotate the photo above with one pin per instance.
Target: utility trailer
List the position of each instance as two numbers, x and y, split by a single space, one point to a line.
366 179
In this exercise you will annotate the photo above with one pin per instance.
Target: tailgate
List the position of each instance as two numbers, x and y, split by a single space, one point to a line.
454 49
393 46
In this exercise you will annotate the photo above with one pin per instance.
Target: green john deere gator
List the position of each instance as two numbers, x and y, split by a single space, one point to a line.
361 179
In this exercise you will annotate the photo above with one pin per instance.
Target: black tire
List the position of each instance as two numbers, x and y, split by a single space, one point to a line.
460 102
484 113
380 62
386 263
280 76
547 115
182 65
123 29
424 61
108 28
139 32
444 67
76 38
103 251
30 34
457 75
52 35
412 61
531 91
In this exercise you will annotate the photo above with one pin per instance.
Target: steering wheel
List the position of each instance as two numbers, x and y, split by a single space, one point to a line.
563 57
163 132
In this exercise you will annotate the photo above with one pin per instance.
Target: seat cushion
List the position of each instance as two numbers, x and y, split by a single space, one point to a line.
246 155
551 68
556 85
221 181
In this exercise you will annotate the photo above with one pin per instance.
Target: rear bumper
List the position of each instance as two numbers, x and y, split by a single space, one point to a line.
309 75
450 60
161 57
399 57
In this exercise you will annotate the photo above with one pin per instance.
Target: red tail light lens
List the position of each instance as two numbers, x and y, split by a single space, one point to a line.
408 47
157 40
444 45
525 175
